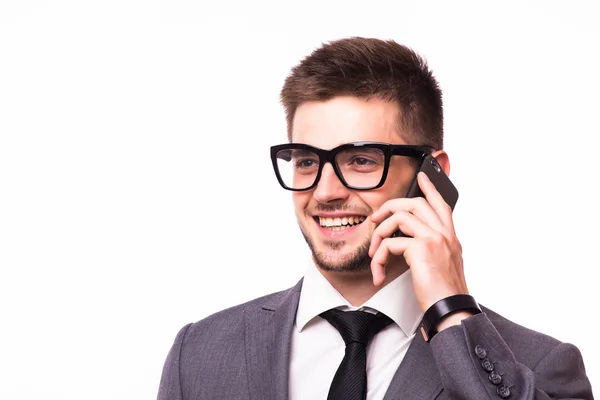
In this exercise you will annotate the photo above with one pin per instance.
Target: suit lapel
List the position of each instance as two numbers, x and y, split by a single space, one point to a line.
417 376
268 338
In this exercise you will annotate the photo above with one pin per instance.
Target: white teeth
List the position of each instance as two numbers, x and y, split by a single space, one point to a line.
341 222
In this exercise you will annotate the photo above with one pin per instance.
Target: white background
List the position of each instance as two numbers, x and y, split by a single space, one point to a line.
136 192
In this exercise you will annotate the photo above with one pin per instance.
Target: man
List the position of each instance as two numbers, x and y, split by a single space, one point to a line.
378 315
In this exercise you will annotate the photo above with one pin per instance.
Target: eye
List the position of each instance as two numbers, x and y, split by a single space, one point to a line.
305 163
362 161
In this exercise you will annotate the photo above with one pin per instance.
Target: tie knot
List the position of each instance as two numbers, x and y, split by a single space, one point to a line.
356 326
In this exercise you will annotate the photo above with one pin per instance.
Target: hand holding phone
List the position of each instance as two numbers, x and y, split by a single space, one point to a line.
440 180
433 253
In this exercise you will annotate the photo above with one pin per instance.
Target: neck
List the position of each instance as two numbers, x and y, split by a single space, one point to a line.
357 286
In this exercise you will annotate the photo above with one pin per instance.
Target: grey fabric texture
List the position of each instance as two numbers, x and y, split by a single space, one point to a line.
243 353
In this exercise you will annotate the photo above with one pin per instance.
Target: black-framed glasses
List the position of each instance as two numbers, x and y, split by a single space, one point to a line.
359 166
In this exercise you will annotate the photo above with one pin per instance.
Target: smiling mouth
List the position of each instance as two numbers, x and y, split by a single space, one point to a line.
338 224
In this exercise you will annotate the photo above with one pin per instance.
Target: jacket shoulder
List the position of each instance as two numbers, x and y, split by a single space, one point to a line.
229 322
210 354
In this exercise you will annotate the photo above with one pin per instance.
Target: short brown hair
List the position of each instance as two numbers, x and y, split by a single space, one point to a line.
368 68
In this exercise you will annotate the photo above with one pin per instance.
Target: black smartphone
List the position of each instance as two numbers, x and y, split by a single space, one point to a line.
440 180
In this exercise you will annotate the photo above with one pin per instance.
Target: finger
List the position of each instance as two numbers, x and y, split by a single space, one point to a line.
417 206
408 223
389 246
390 207
435 199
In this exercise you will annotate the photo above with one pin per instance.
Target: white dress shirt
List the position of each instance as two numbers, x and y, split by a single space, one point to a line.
318 348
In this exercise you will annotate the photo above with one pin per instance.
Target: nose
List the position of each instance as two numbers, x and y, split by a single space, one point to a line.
330 189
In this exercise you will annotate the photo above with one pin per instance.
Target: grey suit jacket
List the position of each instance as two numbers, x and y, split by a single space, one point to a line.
243 353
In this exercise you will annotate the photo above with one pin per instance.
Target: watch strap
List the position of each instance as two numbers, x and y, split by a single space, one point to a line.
443 308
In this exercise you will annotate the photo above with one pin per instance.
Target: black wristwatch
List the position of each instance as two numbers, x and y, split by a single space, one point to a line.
442 309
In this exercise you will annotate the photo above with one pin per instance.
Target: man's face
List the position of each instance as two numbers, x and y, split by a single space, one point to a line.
327 125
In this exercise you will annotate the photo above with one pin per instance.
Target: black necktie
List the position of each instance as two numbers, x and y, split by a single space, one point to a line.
357 329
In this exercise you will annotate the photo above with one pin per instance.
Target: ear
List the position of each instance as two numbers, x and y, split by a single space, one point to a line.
442 158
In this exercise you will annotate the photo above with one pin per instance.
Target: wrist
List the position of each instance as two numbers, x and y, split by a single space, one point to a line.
453 320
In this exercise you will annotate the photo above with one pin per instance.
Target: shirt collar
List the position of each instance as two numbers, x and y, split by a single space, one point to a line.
397 300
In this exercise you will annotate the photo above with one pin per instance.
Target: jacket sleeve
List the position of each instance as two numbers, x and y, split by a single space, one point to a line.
170 384
475 362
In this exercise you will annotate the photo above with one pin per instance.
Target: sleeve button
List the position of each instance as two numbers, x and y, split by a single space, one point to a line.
503 391
487 365
495 378
481 352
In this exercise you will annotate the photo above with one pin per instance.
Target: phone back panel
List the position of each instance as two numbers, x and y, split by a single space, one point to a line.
439 179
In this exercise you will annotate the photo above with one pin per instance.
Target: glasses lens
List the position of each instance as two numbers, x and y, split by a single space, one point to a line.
298 168
361 167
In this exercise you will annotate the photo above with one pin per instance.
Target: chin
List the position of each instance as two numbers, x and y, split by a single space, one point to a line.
338 256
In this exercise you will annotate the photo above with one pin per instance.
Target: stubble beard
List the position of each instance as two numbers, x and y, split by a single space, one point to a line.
356 261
